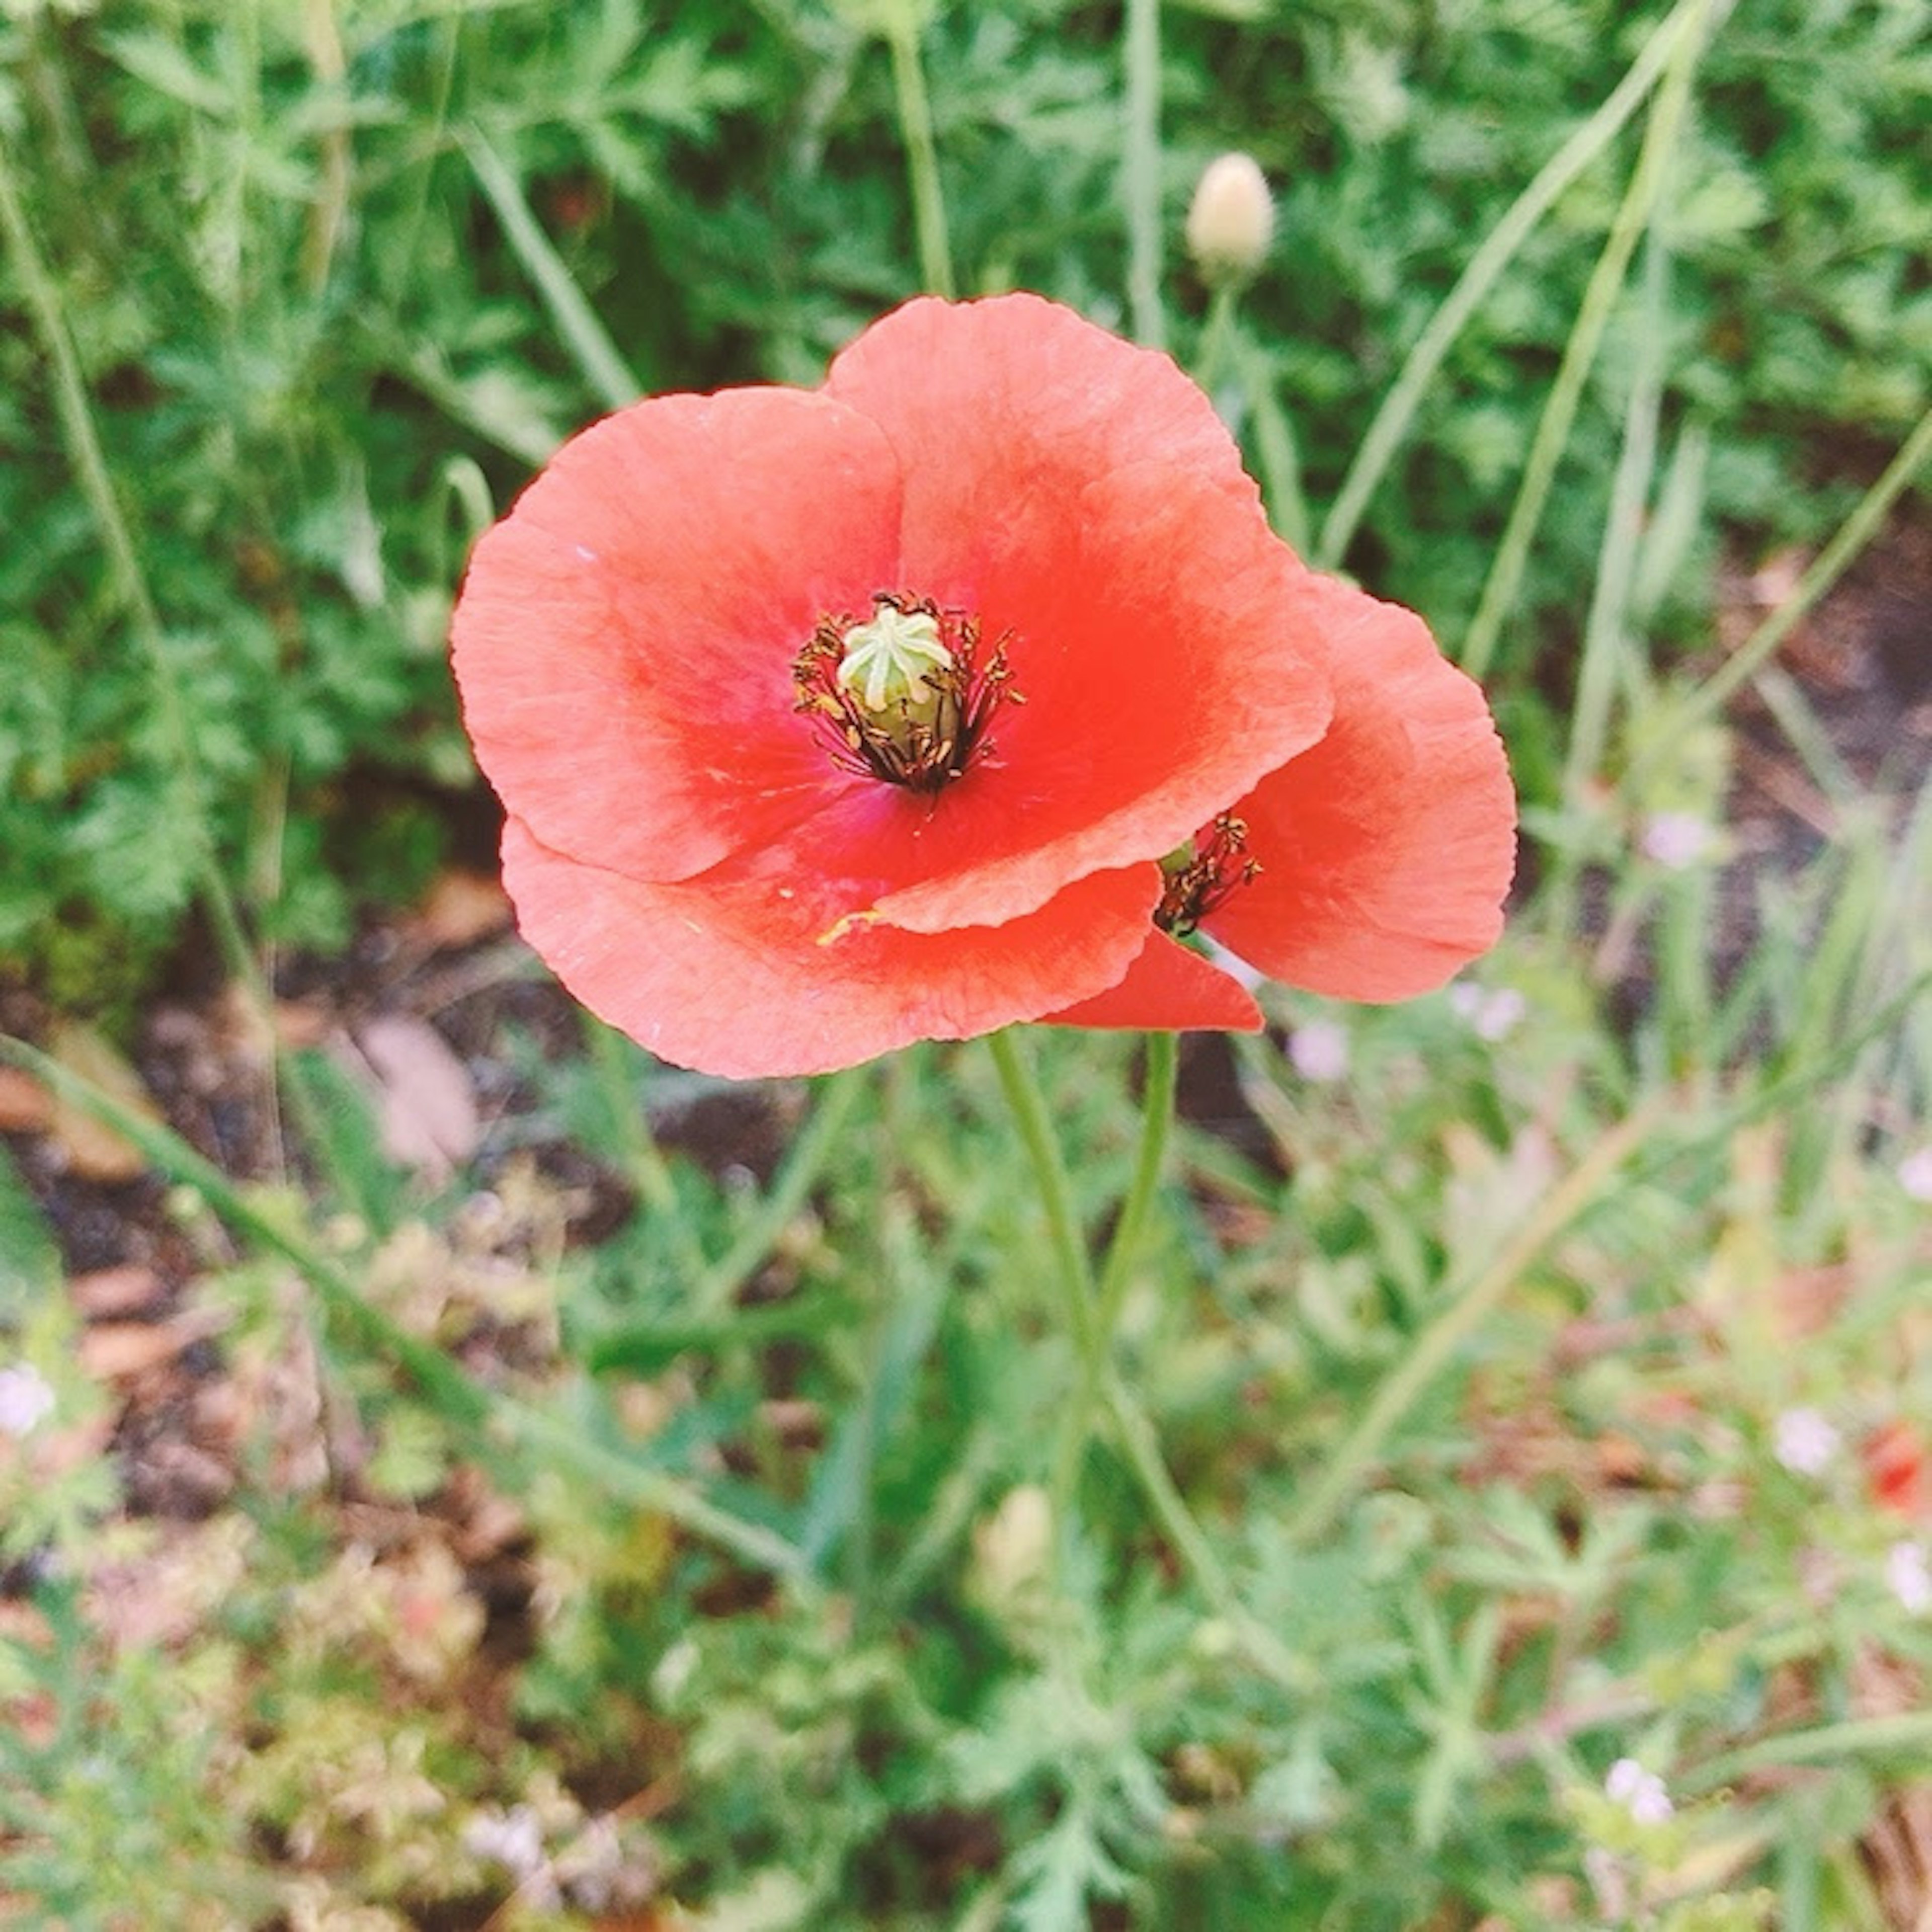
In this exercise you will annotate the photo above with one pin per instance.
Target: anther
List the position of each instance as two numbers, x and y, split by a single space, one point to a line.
1204 873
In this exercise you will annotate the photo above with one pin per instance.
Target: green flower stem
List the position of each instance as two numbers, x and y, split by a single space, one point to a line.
1163 1059
445 1384
915 110
1142 1445
1551 439
1218 346
1091 1315
1021 1084
1140 170
1750 657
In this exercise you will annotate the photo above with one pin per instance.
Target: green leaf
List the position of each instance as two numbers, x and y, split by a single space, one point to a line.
30 1262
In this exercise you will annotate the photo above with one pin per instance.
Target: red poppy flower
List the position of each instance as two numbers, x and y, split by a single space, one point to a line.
942 697
1898 1467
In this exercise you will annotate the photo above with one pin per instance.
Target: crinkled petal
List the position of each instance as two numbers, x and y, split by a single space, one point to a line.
625 635
1386 850
1168 989
1079 495
755 976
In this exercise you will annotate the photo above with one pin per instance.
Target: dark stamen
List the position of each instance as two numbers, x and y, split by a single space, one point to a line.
1203 874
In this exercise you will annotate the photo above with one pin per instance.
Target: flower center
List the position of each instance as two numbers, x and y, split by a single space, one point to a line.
905 695
1204 873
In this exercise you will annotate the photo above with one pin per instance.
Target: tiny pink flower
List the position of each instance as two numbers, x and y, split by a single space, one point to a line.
1914 1173
26 1399
1492 1012
1319 1051
1910 1576
1640 1792
1805 1442
1677 840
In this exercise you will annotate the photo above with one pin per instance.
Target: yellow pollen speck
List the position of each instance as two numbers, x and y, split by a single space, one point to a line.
840 928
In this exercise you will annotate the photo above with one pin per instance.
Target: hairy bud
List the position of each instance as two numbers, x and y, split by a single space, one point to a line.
1231 219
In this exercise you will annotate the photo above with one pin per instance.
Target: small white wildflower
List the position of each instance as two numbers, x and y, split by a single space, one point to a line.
26 1399
1677 840
1805 1442
1640 1792
1319 1051
1492 1013
1914 1173
513 1839
1910 1576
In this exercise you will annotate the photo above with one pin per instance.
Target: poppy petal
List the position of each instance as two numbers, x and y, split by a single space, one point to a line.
1386 849
758 976
626 637
1168 989
1080 495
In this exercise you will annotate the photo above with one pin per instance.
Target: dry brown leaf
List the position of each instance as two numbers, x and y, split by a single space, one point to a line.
425 1105
104 1293
301 1023
25 1106
94 1150
462 907
120 1351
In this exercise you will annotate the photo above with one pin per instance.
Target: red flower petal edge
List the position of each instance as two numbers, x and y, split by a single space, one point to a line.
748 977
1385 850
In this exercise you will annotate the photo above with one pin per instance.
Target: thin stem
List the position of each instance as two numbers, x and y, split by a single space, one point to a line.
84 454
1580 353
1092 1325
915 108
1274 445
1117 1270
1393 420
1858 530
1140 170
1465 1310
1142 1445
643 1161
795 1181
598 358
1022 1086
1163 1065
1908 1733
1217 343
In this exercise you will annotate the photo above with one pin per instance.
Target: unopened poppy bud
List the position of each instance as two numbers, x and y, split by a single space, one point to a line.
1014 1544
889 660
1231 219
